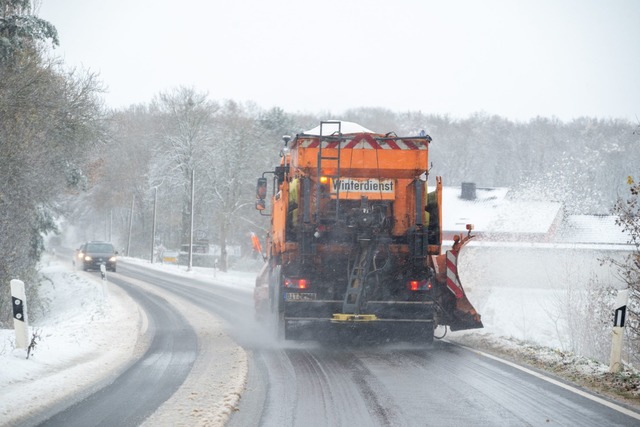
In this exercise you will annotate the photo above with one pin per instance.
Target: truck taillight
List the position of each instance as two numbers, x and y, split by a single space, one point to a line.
419 285
296 283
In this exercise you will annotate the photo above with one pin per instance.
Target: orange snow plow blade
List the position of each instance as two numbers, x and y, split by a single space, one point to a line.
464 315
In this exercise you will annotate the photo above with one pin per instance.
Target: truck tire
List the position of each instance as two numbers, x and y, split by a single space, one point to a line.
276 303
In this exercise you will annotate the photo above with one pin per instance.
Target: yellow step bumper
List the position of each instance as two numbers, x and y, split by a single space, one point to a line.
343 317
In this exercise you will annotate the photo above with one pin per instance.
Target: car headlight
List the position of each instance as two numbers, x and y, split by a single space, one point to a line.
112 259
87 258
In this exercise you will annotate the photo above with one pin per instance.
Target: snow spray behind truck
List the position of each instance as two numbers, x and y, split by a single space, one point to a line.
355 244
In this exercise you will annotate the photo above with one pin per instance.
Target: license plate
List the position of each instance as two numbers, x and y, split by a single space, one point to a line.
300 296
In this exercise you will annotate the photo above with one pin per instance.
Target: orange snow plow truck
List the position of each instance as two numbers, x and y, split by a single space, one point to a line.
355 245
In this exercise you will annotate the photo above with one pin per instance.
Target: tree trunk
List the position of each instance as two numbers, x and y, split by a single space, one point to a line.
224 258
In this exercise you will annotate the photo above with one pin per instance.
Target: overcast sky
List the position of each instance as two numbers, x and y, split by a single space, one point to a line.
517 59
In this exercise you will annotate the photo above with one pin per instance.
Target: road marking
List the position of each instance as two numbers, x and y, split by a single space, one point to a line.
590 396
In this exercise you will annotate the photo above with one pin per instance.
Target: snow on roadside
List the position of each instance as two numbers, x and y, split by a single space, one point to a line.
89 330
241 278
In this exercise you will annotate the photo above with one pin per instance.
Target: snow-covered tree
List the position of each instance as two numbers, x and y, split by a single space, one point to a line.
49 120
21 30
185 135
233 171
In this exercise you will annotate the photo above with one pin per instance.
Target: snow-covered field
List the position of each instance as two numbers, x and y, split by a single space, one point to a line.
529 291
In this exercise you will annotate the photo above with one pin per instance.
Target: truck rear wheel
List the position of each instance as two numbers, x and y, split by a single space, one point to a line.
276 303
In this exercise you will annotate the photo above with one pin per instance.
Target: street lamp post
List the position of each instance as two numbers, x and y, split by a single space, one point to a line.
153 231
130 224
153 228
193 175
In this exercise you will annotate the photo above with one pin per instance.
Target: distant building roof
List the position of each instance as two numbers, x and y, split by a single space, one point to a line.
495 216
592 229
458 212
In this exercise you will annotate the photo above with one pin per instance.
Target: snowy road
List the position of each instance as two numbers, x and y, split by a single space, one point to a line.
151 380
446 385
443 386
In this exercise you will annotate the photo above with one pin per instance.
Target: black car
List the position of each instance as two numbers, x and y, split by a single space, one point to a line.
94 254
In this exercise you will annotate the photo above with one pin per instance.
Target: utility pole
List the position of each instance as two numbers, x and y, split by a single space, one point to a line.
153 228
193 174
130 225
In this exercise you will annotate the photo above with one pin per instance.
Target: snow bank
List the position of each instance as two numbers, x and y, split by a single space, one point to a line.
90 334
89 328
527 291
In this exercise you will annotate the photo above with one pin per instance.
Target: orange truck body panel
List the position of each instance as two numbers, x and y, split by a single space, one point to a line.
356 234
372 156
397 162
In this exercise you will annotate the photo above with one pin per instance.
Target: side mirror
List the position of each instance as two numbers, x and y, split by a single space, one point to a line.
261 194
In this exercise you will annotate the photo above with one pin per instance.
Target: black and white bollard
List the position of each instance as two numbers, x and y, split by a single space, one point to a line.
103 273
20 319
620 314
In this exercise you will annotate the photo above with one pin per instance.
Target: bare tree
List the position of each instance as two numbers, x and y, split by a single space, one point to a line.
185 134
628 212
234 156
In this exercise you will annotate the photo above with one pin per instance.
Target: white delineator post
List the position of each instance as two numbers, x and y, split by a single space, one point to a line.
20 319
103 273
620 314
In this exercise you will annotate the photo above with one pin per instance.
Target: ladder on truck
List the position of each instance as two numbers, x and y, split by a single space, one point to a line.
354 297
333 213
